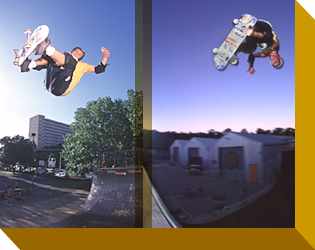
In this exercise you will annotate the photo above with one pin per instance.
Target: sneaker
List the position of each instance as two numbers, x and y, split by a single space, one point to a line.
40 49
25 64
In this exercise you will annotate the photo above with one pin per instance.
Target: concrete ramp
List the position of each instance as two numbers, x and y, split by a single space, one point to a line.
114 195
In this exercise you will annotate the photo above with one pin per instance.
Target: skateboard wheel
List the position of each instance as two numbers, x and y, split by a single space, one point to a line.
236 21
234 61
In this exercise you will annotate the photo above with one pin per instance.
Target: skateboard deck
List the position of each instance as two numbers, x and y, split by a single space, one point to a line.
33 39
232 42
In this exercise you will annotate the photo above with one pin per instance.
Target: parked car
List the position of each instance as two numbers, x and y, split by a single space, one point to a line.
61 173
50 170
17 167
28 169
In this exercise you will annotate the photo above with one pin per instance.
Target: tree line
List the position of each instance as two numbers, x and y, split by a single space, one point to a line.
109 132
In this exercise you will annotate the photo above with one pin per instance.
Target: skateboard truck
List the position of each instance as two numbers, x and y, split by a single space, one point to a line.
28 33
17 56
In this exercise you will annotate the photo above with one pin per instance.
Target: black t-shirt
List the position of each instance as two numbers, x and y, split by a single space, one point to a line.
250 43
266 29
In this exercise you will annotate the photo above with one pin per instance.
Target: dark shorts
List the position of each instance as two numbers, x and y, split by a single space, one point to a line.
58 78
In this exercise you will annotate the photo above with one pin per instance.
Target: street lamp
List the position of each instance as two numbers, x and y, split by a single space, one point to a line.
33 139
34 157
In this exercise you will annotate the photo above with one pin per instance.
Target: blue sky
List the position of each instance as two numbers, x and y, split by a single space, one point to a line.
91 25
190 95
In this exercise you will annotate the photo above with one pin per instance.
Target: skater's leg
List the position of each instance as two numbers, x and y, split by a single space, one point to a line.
57 56
38 64
41 62
59 82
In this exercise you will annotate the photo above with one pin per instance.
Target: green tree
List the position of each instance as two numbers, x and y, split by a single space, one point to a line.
103 132
134 106
244 131
227 130
289 132
262 131
16 149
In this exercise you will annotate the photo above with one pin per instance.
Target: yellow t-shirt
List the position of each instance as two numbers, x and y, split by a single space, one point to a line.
80 70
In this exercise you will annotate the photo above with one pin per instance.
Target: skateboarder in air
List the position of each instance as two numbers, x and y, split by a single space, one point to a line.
262 36
64 70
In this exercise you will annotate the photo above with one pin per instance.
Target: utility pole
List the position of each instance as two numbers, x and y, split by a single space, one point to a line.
60 160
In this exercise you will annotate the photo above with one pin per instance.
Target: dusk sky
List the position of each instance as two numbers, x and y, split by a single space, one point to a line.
190 95
108 23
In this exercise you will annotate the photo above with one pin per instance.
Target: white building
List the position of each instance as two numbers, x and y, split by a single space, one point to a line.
202 148
194 151
252 157
46 133
178 152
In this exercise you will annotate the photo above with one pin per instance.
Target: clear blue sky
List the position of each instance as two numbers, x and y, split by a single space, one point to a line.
89 24
190 95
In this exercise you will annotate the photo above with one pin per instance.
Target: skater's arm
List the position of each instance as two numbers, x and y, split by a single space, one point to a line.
257 34
251 60
275 42
100 68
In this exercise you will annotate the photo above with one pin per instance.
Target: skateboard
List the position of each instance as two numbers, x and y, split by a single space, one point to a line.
224 55
33 39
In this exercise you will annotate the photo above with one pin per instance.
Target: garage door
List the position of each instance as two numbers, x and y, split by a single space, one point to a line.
231 158
175 154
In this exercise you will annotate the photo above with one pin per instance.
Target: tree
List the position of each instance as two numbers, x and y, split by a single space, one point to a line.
227 130
289 132
244 131
103 133
262 131
16 149
278 131
134 106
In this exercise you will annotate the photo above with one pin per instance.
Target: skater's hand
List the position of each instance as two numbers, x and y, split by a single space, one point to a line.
105 55
251 70
250 31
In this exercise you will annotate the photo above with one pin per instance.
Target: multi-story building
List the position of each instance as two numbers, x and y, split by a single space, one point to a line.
47 133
